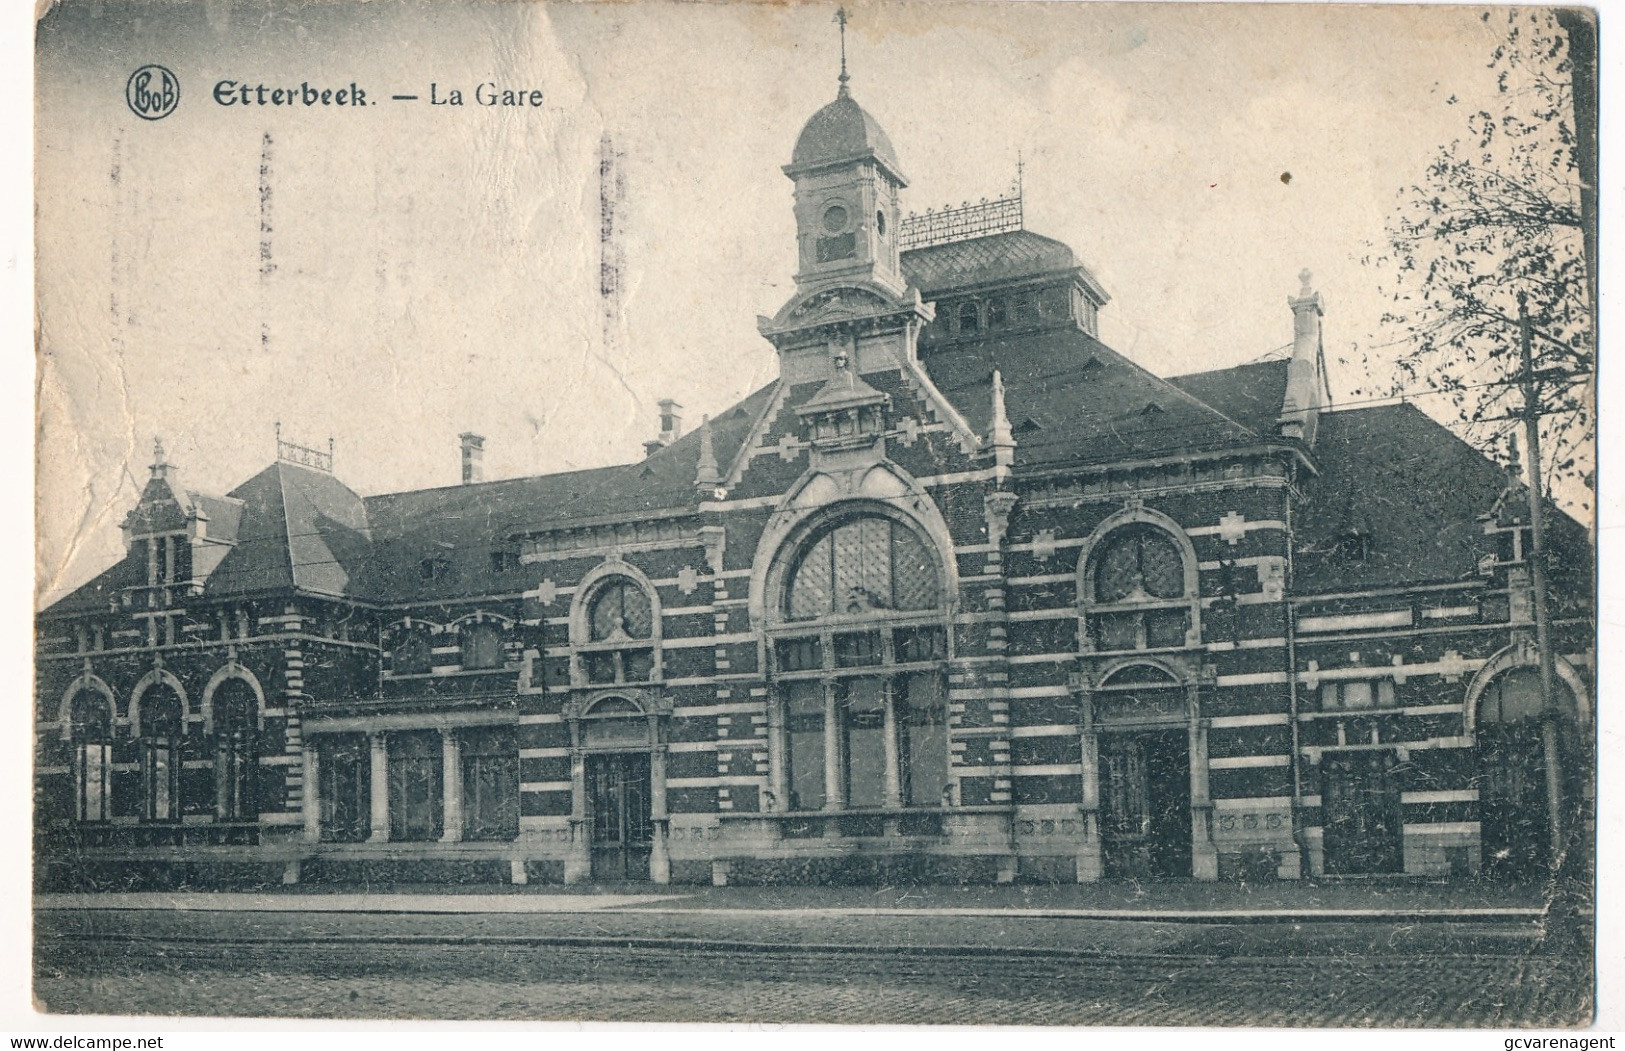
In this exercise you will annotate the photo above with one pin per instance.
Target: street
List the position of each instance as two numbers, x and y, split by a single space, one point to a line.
804 966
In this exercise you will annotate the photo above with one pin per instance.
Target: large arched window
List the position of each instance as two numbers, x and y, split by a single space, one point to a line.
90 727
1137 590
160 752
859 565
859 649
620 630
236 722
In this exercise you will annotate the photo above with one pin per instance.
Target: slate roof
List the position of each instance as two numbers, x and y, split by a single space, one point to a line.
463 523
1072 399
1249 394
1416 491
843 131
996 257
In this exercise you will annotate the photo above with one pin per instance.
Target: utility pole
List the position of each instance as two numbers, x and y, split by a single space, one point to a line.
1549 713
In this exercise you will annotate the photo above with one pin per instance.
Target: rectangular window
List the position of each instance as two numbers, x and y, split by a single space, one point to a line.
1116 631
804 730
490 785
919 644
800 654
857 649
638 665
158 774
600 667
414 787
1165 627
94 764
1357 695
344 772
864 715
923 718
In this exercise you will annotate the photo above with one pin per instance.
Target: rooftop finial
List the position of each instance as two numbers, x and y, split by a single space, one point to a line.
158 452
1305 276
840 16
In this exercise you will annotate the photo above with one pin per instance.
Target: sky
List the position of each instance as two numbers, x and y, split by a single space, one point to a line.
392 275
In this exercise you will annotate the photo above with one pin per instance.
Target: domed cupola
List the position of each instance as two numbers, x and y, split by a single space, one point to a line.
841 133
847 177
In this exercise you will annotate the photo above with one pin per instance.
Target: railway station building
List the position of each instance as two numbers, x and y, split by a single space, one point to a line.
963 595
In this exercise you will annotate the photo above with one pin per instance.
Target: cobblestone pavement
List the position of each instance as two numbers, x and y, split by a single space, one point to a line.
1087 973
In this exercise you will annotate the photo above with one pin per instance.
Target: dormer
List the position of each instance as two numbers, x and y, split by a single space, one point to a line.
845 413
172 529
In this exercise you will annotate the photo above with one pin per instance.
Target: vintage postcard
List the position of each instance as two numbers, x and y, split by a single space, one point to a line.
987 513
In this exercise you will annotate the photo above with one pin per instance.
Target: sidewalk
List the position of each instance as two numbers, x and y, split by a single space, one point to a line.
1169 902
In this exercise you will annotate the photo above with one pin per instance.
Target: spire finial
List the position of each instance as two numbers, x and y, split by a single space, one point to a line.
840 16
158 451
707 475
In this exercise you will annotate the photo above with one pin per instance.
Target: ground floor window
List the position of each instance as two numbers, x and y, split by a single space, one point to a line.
490 784
90 728
236 760
804 730
160 736
415 801
865 741
344 787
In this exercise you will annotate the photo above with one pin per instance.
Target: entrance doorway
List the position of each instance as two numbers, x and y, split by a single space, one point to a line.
1363 827
1145 787
618 797
1514 819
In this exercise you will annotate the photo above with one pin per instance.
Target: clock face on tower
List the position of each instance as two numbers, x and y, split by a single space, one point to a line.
835 218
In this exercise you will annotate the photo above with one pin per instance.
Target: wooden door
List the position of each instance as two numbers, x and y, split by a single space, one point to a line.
1360 804
1514 830
622 832
1145 804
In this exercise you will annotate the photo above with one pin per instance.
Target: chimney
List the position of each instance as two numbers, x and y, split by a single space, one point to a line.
671 421
1300 407
473 457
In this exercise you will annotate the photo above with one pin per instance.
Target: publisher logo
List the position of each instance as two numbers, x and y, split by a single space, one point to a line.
152 92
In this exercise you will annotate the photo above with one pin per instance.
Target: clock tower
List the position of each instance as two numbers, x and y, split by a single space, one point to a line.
847 178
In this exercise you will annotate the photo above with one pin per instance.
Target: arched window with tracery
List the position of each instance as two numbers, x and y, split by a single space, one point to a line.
859 647
1137 587
620 633
859 565
236 764
90 728
160 733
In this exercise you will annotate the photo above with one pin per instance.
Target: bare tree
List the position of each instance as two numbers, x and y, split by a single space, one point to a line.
1499 213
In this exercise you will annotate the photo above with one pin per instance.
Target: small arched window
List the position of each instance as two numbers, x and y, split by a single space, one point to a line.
970 316
997 313
236 761
859 565
620 610
412 654
1139 562
481 646
620 644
